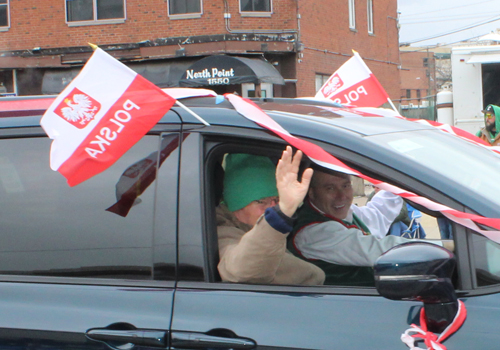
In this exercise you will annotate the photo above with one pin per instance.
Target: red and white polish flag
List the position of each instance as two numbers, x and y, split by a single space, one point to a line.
354 84
100 115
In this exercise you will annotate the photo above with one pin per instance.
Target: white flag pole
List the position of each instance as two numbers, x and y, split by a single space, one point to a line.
192 113
94 47
392 105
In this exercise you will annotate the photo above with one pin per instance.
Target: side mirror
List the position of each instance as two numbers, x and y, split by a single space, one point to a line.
420 271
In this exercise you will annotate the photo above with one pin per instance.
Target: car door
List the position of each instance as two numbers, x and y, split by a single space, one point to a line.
90 266
211 314
223 315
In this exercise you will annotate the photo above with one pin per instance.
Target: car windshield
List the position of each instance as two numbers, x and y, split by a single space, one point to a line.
462 162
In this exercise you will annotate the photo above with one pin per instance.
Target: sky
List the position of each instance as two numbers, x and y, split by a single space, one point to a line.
423 19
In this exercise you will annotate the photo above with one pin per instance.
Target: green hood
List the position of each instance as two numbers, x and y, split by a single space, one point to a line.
492 135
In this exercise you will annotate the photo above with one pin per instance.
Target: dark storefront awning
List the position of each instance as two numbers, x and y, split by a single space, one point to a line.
230 70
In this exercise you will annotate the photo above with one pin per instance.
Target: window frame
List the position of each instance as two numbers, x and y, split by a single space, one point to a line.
186 15
352 14
369 20
95 21
256 13
320 76
4 28
38 133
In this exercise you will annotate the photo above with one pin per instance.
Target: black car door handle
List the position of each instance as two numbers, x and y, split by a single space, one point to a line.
194 340
144 337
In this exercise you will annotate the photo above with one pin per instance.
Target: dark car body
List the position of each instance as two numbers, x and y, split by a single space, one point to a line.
77 273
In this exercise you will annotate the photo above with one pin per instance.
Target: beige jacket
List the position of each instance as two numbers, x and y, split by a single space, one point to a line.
259 255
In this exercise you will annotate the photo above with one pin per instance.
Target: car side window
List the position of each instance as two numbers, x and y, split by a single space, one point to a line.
422 225
217 208
102 228
486 260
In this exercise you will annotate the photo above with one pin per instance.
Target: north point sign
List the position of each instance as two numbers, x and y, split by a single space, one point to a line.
214 76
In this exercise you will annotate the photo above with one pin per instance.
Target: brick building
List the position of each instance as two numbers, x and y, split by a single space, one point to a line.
418 77
269 47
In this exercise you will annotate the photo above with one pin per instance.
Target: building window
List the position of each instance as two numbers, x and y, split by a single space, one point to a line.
7 85
418 94
408 93
257 90
369 5
95 10
255 5
321 80
4 13
352 15
183 7
426 62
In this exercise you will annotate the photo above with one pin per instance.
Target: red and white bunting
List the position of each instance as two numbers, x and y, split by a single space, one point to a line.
101 114
458 132
431 340
354 84
252 112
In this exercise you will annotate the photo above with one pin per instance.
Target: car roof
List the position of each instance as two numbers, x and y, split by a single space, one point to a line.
309 118
305 115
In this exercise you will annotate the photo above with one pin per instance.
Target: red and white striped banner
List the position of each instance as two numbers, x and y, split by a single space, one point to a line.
251 111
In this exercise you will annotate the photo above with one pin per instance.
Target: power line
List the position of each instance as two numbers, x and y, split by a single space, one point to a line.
449 18
494 19
430 47
448 9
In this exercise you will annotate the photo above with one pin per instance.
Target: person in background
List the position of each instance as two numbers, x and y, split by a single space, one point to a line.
255 217
378 213
406 224
490 131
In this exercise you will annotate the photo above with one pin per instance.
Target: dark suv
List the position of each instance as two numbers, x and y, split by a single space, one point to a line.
128 259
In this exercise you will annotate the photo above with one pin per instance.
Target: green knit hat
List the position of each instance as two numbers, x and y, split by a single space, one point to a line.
248 178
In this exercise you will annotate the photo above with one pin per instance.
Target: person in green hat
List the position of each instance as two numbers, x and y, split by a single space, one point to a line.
490 132
255 217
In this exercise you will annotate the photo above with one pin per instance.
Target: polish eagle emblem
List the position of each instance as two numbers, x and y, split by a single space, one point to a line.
332 85
78 108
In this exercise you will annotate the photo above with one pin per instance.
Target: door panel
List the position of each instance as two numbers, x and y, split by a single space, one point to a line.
310 320
40 315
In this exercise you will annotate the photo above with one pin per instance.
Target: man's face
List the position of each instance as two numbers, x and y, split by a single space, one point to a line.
332 194
490 120
253 211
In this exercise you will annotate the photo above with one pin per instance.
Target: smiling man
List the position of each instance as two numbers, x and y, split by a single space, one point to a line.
328 233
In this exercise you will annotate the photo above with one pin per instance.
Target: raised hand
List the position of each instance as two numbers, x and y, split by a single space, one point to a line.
291 191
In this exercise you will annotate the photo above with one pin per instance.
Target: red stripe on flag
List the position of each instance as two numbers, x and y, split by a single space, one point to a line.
126 122
366 93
